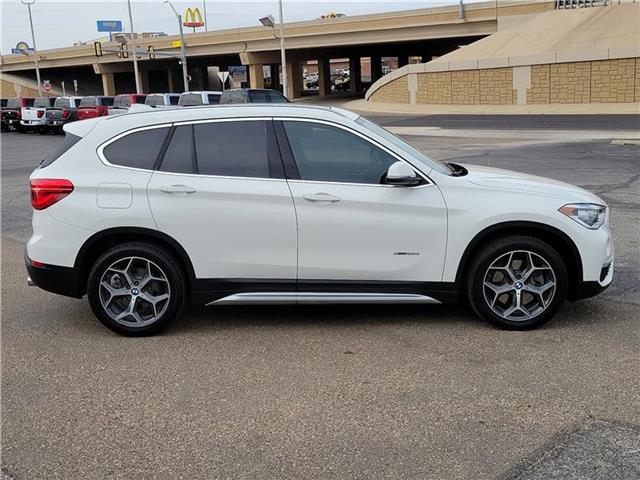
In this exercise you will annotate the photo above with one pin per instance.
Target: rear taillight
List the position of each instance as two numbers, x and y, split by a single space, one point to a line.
66 113
47 191
18 113
40 113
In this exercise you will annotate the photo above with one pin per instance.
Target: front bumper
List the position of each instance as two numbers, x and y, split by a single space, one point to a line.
60 280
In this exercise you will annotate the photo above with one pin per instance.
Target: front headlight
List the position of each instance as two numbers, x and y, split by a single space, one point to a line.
590 215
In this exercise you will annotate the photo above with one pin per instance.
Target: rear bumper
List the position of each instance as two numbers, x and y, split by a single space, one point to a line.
60 280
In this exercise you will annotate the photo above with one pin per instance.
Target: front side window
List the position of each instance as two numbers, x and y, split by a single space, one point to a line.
235 149
138 149
330 154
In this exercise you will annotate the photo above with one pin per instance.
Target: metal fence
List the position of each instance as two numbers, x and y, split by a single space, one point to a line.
564 4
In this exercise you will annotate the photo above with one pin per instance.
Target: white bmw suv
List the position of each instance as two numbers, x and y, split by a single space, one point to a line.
267 204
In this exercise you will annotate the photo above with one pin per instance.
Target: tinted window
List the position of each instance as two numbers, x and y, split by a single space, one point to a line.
88 102
331 154
213 98
154 100
29 102
190 99
13 103
138 149
258 96
122 101
43 102
3 102
61 102
275 97
106 101
69 141
236 149
76 102
179 155
173 99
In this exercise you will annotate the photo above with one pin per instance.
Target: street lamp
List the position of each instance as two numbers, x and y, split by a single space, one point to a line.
33 40
183 55
204 9
268 21
135 54
461 10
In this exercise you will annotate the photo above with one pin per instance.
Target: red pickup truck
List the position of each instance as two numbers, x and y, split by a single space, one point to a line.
92 107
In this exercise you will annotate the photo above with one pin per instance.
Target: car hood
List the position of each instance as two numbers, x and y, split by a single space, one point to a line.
499 179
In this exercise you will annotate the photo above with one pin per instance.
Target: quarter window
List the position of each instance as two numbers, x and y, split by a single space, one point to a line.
137 150
235 149
330 154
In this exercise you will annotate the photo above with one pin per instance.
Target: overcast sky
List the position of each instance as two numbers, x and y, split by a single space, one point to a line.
60 24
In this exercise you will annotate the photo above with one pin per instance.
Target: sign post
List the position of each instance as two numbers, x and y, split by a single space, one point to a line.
75 87
109 26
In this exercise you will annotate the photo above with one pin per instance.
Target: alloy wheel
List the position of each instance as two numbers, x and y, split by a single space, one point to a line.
134 291
519 285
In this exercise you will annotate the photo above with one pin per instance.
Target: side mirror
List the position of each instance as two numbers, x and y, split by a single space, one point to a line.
402 174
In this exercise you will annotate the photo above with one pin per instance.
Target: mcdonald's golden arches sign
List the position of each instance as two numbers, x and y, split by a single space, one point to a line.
193 18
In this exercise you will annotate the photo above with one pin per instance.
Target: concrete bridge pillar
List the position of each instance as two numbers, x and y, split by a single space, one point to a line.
355 75
294 79
403 60
324 76
376 67
108 84
275 76
256 75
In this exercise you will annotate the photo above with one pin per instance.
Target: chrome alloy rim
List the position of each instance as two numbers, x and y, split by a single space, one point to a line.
519 285
134 292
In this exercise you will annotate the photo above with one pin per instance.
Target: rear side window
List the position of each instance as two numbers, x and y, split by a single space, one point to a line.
138 149
89 102
258 96
213 98
234 149
179 155
69 141
173 99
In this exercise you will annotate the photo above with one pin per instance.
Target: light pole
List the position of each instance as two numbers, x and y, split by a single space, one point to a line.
461 10
33 40
204 9
268 21
183 55
135 54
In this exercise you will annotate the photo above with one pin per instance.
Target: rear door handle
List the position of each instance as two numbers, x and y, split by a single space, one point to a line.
321 198
178 189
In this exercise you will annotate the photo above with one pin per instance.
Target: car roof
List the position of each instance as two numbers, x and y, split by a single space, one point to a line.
113 125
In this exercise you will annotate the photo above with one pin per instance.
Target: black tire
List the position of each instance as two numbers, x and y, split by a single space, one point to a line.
149 252
43 130
490 253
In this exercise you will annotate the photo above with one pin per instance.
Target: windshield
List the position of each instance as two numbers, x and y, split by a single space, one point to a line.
404 146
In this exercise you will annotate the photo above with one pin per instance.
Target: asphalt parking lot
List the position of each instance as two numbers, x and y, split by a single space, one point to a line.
349 392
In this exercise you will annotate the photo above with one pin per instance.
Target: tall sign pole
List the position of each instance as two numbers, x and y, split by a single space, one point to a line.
135 54
283 55
204 9
461 10
183 54
35 49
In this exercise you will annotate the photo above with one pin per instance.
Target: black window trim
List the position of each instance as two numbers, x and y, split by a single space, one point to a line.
291 168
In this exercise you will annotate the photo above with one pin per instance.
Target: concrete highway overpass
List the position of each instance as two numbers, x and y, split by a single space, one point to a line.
425 33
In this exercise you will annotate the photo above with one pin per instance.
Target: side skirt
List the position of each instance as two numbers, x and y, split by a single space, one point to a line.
314 298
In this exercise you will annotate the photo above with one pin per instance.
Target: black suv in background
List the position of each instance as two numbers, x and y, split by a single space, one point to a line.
11 114
253 95
64 110
3 104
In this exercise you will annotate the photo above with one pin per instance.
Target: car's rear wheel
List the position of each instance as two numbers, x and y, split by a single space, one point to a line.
136 289
517 282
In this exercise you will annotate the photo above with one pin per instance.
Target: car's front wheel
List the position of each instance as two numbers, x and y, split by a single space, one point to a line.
517 282
136 289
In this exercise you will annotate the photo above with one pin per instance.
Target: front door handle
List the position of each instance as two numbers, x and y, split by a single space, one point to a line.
321 198
178 189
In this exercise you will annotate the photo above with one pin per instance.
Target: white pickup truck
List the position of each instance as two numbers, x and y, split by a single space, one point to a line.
35 117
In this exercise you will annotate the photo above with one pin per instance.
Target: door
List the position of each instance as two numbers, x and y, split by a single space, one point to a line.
220 193
352 226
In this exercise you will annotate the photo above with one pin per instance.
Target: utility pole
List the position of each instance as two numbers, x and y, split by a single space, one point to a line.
283 55
183 54
35 49
135 54
461 10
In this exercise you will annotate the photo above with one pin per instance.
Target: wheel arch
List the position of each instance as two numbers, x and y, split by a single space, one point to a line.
100 242
556 238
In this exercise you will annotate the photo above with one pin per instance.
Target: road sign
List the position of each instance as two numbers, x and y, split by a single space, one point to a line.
46 86
109 25
223 76
176 44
